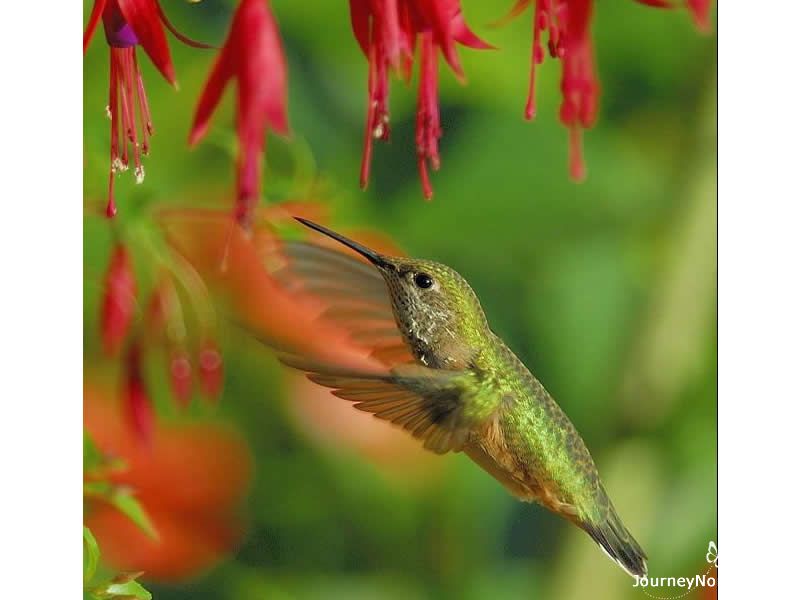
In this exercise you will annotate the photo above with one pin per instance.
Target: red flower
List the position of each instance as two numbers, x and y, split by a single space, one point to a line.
119 301
568 25
387 32
138 407
129 23
210 366
180 376
254 56
190 479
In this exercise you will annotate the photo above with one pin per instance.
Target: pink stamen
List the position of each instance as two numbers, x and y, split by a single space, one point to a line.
130 118
377 125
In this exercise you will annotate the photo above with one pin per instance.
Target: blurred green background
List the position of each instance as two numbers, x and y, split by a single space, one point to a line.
605 289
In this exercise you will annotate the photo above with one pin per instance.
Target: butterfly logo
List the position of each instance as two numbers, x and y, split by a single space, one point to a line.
711 555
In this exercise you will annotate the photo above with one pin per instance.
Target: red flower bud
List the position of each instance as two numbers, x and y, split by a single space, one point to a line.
137 404
180 376
119 300
209 364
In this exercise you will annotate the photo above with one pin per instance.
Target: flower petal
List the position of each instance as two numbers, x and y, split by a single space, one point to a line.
143 16
221 72
261 70
94 19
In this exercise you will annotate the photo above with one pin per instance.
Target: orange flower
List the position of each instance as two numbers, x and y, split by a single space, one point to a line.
190 479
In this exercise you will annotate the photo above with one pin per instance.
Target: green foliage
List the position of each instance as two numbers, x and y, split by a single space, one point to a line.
91 554
121 587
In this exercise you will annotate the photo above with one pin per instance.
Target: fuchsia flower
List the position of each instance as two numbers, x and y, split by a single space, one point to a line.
138 406
119 301
568 26
253 55
210 369
129 23
388 31
166 326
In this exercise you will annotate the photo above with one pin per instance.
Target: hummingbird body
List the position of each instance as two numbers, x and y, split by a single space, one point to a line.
454 384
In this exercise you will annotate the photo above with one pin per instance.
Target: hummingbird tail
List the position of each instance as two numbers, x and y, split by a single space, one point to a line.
618 543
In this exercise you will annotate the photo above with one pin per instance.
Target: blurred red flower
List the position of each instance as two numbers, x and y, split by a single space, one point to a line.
255 299
119 300
293 322
138 407
191 480
129 23
387 31
254 56
568 25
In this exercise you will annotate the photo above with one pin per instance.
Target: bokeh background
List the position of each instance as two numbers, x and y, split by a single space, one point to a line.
605 289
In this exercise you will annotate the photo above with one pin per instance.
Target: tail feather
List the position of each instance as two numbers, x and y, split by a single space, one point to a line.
618 543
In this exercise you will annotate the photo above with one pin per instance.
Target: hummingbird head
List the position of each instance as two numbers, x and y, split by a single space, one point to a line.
435 309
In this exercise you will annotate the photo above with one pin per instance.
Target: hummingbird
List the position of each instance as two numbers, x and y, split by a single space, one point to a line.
452 382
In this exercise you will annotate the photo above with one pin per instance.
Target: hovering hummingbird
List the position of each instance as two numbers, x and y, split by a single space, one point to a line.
452 383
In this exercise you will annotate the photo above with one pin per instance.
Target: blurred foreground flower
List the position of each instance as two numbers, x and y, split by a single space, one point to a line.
163 327
387 31
119 300
191 481
296 322
568 25
253 55
129 23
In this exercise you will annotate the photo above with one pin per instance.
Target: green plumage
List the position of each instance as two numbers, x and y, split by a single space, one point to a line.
452 383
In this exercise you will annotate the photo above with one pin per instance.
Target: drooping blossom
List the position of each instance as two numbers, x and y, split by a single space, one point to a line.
138 407
127 24
209 364
191 481
388 32
180 376
567 24
119 300
253 55
166 325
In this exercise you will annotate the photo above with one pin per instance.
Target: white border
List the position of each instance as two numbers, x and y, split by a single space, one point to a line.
41 311
759 298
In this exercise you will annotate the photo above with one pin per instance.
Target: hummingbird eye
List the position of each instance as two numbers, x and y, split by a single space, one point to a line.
423 280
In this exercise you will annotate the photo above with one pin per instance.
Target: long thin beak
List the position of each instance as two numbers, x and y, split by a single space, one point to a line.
372 256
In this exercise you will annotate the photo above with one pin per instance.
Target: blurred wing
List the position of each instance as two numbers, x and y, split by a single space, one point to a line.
426 402
353 294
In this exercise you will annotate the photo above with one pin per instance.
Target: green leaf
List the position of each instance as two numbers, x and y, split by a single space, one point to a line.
130 589
123 499
92 457
123 587
91 554
132 508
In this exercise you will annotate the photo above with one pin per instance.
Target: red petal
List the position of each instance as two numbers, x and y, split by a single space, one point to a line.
261 70
143 16
465 36
701 11
94 19
119 301
439 13
221 72
359 21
